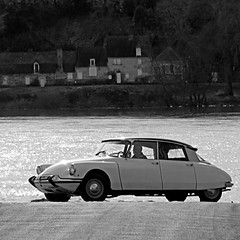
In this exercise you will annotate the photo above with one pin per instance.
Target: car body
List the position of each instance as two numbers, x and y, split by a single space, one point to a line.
166 168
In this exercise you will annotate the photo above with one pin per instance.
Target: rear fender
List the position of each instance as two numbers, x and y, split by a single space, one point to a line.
209 176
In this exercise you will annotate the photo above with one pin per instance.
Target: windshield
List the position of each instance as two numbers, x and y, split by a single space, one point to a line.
113 149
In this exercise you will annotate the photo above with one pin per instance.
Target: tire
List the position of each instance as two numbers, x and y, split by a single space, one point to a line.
94 188
210 195
57 197
176 196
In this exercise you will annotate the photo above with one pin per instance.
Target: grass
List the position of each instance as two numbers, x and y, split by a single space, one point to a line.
105 96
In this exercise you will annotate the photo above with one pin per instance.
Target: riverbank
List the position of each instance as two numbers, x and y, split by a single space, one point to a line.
100 100
119 220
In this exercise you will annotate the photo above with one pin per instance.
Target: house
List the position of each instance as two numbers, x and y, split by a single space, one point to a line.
91 63
126 59
169 65
21 68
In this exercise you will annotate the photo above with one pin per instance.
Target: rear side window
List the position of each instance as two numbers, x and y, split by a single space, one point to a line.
172 152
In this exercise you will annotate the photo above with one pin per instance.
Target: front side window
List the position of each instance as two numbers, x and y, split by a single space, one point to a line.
116 148
174 152
143 149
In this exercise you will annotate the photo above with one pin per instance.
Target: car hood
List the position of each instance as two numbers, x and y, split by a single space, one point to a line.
90 159
63 165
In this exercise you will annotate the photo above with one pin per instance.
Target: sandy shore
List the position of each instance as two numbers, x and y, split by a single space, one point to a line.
119 220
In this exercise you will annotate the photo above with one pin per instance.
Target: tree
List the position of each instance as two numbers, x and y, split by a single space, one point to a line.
195 46
228 38
81 5
129 7
138 18
200 14
148 3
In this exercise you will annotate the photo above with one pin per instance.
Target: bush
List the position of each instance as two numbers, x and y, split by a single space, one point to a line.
6 97
72 97
116 96
51 101
27 96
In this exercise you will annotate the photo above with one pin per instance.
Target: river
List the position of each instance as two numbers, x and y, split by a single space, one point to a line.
30 141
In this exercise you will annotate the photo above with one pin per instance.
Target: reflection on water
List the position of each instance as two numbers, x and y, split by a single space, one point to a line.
29 141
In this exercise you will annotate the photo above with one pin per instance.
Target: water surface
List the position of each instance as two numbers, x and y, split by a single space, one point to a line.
30 141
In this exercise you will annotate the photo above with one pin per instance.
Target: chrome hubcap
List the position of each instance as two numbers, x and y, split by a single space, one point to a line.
94 188
211 192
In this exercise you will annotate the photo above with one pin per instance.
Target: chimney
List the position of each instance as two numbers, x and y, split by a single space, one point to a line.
60 60
138 51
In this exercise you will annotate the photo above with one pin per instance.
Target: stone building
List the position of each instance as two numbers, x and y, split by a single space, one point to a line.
22 68
91 64
169 65
126 59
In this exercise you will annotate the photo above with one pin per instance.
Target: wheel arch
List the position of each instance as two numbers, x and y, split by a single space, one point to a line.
96 172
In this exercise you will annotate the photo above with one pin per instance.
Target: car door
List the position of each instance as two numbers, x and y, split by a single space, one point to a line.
141 173
177 171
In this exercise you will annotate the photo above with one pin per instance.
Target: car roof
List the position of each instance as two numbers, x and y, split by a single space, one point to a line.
152 139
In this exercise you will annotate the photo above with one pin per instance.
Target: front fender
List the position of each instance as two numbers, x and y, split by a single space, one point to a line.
110 168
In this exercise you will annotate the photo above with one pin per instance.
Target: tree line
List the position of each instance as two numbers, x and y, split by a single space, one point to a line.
206 33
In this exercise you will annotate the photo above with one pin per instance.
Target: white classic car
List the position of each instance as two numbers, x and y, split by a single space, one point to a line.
135 166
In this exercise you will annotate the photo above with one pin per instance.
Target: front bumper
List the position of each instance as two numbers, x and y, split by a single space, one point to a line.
55 184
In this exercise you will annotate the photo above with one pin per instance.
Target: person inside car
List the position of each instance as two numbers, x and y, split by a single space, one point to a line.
137 151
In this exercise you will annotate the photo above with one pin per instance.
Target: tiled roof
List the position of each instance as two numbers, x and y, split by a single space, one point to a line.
84 54
31 57
21 62
121 46
69 57
168 55
27 57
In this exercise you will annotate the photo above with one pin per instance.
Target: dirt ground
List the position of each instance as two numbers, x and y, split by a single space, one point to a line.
119 220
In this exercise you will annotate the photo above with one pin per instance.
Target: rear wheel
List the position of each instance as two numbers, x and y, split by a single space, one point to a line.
176 196
57 197
210 195
94 188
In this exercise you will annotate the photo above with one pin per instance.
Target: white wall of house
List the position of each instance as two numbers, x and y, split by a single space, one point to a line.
20 79
91 73
131 67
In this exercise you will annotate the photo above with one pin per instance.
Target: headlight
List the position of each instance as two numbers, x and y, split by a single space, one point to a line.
55 178
38 170
72 169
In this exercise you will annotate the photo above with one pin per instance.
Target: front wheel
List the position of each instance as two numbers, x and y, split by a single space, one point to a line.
94 188
57 197
210 195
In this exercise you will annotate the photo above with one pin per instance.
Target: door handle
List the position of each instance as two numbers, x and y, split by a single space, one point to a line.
155 163
189 164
